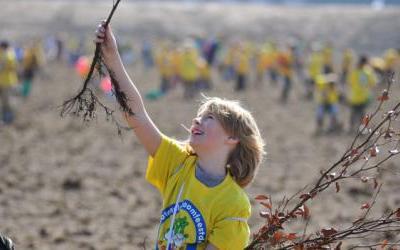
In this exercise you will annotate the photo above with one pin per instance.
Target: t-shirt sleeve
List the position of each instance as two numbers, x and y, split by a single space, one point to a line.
231 233
170 154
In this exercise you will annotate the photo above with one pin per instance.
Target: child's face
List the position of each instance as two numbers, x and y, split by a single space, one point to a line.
207 133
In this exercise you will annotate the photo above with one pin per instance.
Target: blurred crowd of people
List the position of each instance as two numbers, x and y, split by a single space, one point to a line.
328 77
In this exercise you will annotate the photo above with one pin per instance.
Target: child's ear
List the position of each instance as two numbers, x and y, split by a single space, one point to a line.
232 140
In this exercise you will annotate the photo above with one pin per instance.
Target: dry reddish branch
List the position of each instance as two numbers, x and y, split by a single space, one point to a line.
85 102
355 164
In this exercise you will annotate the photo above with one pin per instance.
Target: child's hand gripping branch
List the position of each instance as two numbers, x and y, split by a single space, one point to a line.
144 128
201 180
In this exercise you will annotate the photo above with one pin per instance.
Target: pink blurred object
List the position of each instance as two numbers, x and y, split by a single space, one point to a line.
105 84
82 66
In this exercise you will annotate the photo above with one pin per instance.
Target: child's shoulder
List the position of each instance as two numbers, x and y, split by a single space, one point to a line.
235 194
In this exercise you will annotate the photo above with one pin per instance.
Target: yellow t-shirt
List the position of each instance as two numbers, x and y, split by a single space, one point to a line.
361 81
315 65
8 68
188 68
325 92
216 215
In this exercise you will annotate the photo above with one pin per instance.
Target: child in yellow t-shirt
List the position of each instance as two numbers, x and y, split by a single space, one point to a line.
201 181
327 98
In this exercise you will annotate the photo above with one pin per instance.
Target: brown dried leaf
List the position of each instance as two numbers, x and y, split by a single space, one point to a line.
261 197
365 120
398 213
291 236
327 232
278 235
365 206
384 96
373 152
305 196
375 183
337 187
299 247
384 243
267 205
306 212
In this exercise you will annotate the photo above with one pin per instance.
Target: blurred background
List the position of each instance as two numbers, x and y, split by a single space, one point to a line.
68 184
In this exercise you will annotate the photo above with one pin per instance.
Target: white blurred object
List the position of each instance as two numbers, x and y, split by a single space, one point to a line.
378 4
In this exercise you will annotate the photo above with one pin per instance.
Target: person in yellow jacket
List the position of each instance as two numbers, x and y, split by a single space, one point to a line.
360 82
272 68
8 80
189 72
32 59
204 81
327 99
391 59
262 63
347 64
165 68
327 55
285 62
314 68
242 67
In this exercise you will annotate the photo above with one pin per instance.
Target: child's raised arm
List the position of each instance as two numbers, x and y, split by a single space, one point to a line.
140 122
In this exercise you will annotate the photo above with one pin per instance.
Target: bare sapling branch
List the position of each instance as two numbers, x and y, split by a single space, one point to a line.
376 142
85 102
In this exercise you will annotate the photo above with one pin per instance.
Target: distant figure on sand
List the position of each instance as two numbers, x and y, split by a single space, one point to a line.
201 179
327 98
360 82
8 80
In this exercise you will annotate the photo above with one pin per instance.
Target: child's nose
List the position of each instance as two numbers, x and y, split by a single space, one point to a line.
196 121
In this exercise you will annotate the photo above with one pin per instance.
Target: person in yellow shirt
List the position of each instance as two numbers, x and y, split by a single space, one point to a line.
189 71
32 59
327 99
272 68
327 55
285 62
227 69
204 81
391 59
201 181
8 80
360 82
263 61
242 67
347 64
315 68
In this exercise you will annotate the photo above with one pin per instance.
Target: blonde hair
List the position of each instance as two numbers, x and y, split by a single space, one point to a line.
244 160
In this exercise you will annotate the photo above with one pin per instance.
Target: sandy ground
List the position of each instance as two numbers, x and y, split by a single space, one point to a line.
67 185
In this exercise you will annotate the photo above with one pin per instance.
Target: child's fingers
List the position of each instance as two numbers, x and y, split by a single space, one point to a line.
98 40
